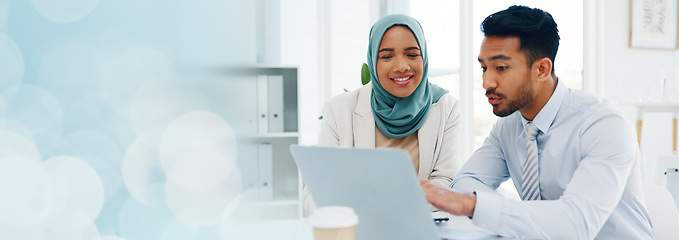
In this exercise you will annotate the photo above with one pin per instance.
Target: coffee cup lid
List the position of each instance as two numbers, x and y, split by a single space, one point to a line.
334 217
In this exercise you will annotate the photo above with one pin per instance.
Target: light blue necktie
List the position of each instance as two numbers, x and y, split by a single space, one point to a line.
531 183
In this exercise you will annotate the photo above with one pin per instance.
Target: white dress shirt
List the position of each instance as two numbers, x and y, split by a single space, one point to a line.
589 174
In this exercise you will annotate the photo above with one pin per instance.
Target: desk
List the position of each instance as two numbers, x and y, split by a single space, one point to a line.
645 107
461 227
299 229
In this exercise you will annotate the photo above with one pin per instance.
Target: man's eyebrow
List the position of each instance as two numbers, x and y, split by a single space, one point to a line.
386 49
501 57
496 57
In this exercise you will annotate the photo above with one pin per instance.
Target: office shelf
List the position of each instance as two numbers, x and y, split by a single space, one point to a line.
267 167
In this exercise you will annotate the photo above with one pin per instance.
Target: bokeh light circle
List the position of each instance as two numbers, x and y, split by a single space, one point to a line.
101 152
64 11
140 221
92 113
80 198
156 105
69 71
141 169
130 68
176 230
203 208
94 143
85 232
12 62
29 192
38 110
198 151
4 12
34 232
17 145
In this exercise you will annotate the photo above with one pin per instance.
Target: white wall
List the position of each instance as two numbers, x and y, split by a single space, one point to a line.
632 74
299 46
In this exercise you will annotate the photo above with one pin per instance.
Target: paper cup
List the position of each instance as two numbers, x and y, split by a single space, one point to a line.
334 223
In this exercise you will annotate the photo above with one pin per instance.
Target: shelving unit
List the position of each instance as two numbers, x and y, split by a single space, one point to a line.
280 199
665 160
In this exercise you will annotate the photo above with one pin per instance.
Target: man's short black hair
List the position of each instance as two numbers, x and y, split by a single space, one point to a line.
536 30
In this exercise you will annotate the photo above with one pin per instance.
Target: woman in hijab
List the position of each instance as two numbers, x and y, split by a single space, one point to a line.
399 108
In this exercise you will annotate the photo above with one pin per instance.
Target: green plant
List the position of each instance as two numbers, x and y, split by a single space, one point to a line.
365 74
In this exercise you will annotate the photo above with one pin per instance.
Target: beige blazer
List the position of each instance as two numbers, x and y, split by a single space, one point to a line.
348 120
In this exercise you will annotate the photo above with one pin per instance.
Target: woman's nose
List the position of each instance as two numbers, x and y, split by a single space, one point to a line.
401 65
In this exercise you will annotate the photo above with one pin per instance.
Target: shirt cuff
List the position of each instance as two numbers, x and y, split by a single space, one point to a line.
487 210
469 185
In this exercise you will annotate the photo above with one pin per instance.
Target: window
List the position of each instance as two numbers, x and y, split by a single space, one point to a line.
442 30
349 29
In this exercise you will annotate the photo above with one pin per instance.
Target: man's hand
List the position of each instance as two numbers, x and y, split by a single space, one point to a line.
444 198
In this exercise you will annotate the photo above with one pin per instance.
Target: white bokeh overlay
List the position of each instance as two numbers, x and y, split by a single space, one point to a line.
69 71
128 69
12 62
154 106
34 232
36 109
140 221
79 197
198 151
198 154
203 208
64 11
30 190
4 11
141 170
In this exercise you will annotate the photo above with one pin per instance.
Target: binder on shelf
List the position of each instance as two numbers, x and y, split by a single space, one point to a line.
672 183
265 159
276 104
262 104
249 107
248 160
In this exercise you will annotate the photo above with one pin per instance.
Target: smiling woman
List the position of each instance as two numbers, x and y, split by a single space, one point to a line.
399 108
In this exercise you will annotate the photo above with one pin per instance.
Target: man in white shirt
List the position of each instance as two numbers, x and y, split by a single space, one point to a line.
578 175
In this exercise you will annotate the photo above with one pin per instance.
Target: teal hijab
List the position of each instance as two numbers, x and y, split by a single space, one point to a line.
399 117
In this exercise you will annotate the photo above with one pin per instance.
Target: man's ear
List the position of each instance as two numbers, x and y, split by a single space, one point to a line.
543 67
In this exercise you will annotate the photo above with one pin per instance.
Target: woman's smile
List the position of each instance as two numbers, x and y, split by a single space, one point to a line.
402 80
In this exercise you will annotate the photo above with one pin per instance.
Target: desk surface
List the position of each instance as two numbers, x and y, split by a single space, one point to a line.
299 229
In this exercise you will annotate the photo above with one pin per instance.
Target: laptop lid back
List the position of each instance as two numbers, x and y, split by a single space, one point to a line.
380 184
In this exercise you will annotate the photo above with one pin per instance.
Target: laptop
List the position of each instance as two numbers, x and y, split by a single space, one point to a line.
380 184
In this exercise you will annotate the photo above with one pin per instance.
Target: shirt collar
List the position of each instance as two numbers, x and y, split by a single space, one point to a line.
546 116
